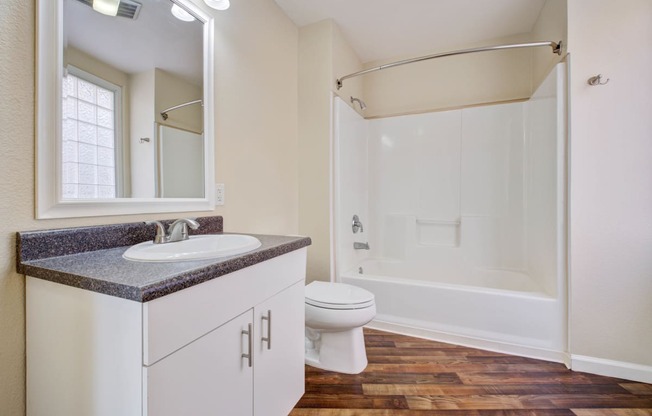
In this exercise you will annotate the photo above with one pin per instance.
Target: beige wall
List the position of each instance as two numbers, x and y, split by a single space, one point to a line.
449 82
142 86
345 61
256 78
91 64
552 24
171 90
611 180
324 54
256 117
315 73
467 79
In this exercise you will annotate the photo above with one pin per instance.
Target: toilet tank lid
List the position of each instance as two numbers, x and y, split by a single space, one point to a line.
337 293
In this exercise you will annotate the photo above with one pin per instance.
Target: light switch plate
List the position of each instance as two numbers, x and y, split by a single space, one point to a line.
219 194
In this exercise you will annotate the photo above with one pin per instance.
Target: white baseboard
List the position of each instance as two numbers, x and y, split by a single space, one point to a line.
611 368
581 363
466 341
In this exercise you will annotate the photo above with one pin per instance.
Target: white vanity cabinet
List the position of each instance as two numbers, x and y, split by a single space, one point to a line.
279 316
207 377
228 366
230 346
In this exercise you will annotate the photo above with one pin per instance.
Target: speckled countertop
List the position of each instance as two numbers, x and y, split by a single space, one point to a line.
91 258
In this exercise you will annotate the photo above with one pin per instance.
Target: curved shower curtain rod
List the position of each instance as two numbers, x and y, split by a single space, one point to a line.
164 113
556 48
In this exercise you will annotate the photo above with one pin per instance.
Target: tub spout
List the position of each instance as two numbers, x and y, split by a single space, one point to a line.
360 246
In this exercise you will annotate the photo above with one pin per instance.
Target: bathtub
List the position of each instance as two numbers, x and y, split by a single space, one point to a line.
498 310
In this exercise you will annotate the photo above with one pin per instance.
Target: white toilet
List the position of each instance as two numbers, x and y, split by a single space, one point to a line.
335 314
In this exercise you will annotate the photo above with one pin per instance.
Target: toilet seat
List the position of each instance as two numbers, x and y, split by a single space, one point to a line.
338 296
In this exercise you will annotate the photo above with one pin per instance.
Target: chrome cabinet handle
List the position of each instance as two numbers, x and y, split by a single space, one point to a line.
250 344
268 338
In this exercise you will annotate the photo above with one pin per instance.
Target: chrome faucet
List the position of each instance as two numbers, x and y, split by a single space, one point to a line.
177 231
360 246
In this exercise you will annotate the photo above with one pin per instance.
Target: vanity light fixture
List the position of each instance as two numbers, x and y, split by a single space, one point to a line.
107 7
218 4
181 14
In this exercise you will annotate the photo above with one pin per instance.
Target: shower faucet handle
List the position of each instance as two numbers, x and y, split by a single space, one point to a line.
356 225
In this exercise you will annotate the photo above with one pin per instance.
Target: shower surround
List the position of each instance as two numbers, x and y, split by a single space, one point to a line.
464 212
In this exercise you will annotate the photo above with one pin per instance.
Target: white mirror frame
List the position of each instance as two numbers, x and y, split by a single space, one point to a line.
49 35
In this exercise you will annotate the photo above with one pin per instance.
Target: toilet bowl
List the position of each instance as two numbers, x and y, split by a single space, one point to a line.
335 314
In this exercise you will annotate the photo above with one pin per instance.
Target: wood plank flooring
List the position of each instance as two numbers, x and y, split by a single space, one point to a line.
411 376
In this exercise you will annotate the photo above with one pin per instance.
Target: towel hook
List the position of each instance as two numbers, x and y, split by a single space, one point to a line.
597 80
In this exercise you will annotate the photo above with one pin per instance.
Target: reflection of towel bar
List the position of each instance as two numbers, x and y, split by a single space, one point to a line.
438 222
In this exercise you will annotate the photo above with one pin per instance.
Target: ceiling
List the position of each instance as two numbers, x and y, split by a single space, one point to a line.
156 39
386 29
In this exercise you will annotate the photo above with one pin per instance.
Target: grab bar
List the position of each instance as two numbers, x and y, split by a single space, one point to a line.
438 222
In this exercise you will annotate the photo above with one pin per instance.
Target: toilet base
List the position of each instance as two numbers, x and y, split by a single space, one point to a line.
341 351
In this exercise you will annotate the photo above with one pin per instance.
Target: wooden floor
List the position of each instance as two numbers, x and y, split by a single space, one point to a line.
411 376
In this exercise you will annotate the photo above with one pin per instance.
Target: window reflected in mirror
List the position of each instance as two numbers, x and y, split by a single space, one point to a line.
90 140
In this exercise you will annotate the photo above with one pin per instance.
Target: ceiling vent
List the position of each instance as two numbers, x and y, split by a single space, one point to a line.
128 8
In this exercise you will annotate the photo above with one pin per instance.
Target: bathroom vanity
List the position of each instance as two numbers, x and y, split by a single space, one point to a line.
106 336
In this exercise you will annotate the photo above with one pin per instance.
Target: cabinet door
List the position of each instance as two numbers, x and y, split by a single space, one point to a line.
279 375
207 377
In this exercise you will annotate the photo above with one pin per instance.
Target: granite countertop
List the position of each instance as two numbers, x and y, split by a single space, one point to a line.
90 258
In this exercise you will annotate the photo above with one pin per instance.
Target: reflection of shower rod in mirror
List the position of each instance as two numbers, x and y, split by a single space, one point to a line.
164 113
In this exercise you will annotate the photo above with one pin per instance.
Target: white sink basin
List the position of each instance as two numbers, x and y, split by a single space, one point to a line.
198 247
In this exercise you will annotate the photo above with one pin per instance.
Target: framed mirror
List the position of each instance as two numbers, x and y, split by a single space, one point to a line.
124 108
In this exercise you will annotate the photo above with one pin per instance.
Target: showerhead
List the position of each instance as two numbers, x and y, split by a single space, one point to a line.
361 103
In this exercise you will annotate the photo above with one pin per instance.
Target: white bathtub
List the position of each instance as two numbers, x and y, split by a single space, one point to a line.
491 309
470 205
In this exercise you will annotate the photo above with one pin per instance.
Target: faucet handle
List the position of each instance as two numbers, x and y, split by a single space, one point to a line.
160 231
178 230
356 225
190 222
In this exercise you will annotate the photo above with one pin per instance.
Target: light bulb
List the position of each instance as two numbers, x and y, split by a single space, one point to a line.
218 4
107 7
181 14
